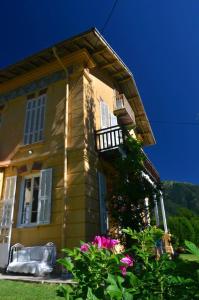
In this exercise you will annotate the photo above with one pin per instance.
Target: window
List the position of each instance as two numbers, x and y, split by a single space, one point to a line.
34 123
108 119
35 203
104 112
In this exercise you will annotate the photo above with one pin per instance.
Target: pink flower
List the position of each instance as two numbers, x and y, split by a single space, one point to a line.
111 243
103 242
98 241
123 269
127 260
84 247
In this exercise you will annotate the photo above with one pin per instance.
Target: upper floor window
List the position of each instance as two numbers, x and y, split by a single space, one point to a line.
34 123
107 118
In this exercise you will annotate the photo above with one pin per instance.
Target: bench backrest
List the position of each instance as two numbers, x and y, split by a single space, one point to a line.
36 253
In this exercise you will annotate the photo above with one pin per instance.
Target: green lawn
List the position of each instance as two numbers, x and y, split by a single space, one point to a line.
186 266
14 290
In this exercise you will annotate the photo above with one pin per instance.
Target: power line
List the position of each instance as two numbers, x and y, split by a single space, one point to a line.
176 123
109 16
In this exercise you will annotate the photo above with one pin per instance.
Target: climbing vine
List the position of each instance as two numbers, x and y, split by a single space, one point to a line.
130 188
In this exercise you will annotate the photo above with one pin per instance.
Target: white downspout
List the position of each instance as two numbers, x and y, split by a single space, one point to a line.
63 238
157 218
163 213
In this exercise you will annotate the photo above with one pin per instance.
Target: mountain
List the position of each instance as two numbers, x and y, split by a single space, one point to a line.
179 195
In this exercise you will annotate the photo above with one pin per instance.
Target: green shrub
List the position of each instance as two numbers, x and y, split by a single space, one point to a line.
103 269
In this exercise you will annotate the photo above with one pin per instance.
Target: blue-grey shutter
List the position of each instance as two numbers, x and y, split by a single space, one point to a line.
44 205
8 202
102 199
34 122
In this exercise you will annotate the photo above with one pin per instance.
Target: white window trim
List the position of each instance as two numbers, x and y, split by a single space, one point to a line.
45 197
19 223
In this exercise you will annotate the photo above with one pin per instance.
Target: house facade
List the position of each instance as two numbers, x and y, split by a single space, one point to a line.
61 112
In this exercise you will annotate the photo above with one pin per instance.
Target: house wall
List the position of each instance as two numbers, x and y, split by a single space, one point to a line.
75 215
49 153
97 86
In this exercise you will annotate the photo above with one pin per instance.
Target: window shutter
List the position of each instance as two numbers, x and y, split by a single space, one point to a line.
104 111
102 199
28 122
113 120
44 207
34 123
8 203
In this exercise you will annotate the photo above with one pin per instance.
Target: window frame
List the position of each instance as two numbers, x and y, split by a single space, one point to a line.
41 121
21 201
45 196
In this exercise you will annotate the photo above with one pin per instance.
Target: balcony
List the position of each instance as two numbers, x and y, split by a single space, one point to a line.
108 141
109 138
123 111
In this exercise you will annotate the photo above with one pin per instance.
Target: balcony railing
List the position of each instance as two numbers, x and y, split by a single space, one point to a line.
109 138
123 110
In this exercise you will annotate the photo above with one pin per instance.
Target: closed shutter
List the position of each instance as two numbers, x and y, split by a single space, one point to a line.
102 199
8 203
104 111
34 123
44 208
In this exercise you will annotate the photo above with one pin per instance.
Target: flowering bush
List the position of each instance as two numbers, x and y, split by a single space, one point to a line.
103 269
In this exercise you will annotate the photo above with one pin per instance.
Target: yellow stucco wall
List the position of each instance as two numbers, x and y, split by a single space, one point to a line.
76 216
49 152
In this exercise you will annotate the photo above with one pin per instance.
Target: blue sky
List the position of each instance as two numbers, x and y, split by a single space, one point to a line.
158 41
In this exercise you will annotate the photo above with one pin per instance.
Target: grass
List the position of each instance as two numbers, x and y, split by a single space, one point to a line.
187 265
14 290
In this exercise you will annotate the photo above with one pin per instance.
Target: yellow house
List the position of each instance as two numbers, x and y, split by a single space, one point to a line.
59 109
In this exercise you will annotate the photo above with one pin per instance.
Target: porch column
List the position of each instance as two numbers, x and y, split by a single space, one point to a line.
147 215
157 218
163 213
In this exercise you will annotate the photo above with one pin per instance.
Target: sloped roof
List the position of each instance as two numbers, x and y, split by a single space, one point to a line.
105 58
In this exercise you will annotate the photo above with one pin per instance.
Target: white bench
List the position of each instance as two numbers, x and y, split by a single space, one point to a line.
36 260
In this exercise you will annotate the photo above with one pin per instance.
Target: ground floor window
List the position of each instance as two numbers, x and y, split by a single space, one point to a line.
35 202
30 200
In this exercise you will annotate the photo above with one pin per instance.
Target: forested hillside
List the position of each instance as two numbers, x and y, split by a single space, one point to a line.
182 209
180 195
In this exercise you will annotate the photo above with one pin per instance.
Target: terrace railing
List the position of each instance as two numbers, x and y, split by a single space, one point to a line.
109 138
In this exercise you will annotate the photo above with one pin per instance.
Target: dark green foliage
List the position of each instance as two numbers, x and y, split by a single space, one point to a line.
98 275
130 188
182 206
179 195
182 228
